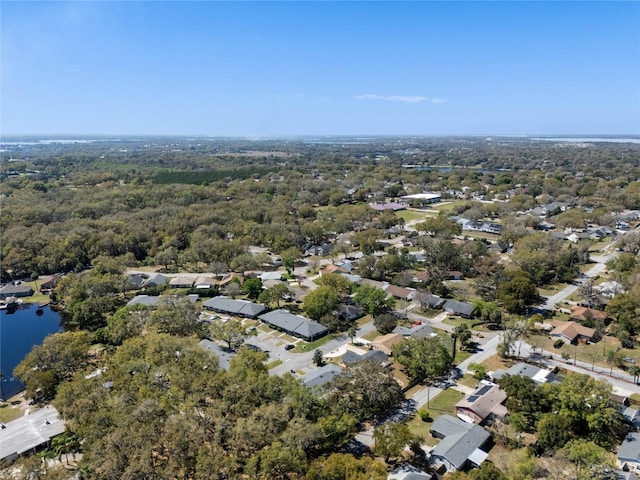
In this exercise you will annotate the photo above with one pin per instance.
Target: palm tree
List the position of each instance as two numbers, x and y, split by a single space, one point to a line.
45 455
64 444
463 334
635 371
352 332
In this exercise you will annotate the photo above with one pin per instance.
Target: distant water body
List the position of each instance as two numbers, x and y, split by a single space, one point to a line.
587 139
20 330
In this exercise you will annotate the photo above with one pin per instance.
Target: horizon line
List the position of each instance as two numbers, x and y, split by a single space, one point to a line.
308 135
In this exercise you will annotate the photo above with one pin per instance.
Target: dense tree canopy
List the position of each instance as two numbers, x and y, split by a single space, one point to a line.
424 359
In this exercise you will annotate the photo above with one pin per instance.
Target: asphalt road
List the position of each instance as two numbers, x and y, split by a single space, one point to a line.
594 271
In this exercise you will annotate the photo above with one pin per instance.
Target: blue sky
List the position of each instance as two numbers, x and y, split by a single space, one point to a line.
307 68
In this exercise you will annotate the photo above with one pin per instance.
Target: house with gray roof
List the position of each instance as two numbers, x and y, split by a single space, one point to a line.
407 471
349 312
295 325
430 301
455 307
12 290
152 301
30 432
223 355
417 331
378 356
537 374
322 375
275 275
628 455
461 446
632 416
156 280
136 280
239 308
621 475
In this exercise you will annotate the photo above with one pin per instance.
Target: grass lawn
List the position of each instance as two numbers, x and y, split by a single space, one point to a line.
9 412
550 290
446 206
302 346
444 403
274 364
364 320
594 353
422 430
441 404
411 215
455 321
371 335
595 247
494 363
37 297
468 381
481 235
461 356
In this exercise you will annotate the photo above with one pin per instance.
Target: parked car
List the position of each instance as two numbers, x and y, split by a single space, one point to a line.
290 346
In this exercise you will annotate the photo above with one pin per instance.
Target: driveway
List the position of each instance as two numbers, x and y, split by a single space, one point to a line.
593 272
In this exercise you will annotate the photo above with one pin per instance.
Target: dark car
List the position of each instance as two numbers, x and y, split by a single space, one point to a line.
289 347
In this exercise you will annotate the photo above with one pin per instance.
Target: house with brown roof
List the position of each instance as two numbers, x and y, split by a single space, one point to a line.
424 277
205 282
454 275
49 283
588 315
372 283
401 293
573 332
385 343
333 268
181 282
229 277
484 404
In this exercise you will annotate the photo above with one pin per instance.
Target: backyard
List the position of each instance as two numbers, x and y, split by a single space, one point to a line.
441 404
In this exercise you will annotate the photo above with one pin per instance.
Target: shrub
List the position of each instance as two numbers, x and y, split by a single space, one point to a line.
424 415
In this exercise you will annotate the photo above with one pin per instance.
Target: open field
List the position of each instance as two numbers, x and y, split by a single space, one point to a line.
412 215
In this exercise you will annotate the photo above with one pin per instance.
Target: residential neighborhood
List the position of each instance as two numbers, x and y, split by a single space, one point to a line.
406 324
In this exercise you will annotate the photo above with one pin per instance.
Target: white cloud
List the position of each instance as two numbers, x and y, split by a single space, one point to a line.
401 98
393 98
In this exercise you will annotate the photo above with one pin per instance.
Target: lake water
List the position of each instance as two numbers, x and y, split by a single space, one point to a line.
19 332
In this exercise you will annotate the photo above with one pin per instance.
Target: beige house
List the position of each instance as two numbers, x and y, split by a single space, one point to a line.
484 404
385 343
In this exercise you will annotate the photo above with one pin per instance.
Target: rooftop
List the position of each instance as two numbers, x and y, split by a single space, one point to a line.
30 431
